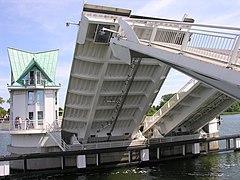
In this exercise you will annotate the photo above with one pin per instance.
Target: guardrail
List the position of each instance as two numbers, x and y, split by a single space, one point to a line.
132 143
220 43
4 125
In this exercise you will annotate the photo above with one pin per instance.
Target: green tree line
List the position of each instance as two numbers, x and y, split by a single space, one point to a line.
165 98
234 108
3 111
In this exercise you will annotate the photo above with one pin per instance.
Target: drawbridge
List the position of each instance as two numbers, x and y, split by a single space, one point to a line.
121 61
188 111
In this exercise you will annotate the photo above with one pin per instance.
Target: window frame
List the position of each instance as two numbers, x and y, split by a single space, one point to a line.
31 97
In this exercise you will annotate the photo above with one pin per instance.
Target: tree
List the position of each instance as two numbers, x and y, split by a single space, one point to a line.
1 101
151 111
3 112
235 107
165 98
9 101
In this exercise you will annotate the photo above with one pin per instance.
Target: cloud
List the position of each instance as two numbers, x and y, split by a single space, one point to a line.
46 15
63 71
4 62
224 19
38 14
62 77
3 84
152 8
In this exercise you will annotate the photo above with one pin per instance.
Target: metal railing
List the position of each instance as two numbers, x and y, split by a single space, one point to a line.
51 129
4 125
151 120
31 125
219 43
131 143
176 138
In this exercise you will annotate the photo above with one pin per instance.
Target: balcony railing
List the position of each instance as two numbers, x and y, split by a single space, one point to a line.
24 125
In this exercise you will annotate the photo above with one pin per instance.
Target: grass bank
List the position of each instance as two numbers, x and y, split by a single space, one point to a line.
229 113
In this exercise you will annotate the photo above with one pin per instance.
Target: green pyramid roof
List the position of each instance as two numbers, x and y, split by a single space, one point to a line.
21 63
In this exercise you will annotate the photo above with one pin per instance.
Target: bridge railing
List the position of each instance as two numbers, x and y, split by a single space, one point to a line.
51 129
215 42
151 120
131 143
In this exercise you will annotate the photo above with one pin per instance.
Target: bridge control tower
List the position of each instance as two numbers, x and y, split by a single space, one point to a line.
34 103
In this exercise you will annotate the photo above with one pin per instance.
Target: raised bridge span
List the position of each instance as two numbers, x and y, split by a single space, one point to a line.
120 64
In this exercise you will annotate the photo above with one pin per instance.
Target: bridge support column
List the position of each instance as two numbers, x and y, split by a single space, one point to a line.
158 153
196 148
227 144
129 156
236 143
4 168
144 154
25 165
81 161
207 147
98 161
63 162
184 150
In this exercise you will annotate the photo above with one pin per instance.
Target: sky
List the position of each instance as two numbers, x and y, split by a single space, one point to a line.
39 25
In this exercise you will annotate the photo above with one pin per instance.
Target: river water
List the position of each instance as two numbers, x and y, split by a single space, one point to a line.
214 166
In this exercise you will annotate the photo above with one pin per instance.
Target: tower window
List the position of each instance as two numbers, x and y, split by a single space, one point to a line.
30 115
32 79
26 80
56 98
38 77
40 97
30 97
40 115
43 80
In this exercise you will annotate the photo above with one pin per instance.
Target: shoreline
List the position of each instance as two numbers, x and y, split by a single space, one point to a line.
229 113
4 131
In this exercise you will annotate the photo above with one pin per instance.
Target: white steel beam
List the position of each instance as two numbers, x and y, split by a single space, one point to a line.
224 79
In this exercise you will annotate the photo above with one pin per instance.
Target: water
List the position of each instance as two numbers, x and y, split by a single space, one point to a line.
230 124
4 141
214 166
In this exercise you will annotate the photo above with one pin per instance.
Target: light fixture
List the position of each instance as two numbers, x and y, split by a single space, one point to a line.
71 23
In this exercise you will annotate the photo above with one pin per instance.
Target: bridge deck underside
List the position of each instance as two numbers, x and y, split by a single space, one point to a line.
96 84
